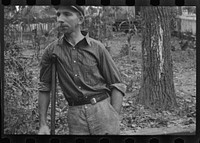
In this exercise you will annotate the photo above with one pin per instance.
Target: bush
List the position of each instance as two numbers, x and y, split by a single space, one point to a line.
124 50
19 99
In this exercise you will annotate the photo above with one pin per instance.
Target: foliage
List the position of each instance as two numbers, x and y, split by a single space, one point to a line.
173 18
124 50
19 102
20 85
98 21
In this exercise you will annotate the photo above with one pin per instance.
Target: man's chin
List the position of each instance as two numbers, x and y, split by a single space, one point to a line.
64 29
67 32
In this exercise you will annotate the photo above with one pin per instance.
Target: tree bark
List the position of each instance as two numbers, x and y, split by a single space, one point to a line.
157 89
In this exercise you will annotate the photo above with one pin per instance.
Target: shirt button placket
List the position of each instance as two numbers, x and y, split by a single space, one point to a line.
74 55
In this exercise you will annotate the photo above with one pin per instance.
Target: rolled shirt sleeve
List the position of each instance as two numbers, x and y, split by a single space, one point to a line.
45 71
110 72
119 86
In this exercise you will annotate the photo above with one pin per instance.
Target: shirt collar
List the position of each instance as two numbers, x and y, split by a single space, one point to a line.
60 40
85 34
87 38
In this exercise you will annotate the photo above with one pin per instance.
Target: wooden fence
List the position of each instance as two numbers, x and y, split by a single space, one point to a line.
188 23
27 32
39 26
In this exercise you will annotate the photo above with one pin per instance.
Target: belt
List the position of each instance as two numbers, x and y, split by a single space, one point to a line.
90 100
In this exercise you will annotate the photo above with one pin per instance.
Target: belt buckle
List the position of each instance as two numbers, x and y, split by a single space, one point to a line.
93 101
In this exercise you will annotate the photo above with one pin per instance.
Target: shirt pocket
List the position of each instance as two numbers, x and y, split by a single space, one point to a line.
90 74
90 71
89 68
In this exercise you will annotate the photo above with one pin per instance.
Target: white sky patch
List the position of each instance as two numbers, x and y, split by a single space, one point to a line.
17 7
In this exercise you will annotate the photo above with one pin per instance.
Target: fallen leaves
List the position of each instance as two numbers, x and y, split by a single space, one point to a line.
130 73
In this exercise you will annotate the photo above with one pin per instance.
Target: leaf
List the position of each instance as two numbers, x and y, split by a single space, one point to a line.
189 121
133 125
130 102
125 104
187 100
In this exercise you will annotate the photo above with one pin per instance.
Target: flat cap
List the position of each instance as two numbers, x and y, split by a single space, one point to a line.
76 8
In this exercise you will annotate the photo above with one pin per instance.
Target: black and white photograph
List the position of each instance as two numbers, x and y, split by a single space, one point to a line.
99 70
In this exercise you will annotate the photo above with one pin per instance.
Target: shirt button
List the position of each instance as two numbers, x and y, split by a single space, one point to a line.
74 61
79 87
85 106
76 75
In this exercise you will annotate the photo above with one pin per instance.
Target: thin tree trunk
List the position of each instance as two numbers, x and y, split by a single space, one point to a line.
179 21
157 89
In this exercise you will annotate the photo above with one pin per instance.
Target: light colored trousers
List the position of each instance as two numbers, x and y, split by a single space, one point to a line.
98 119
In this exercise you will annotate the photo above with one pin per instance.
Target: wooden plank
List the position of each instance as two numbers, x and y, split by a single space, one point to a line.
174 130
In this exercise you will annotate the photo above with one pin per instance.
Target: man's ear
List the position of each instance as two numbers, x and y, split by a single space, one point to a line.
81 19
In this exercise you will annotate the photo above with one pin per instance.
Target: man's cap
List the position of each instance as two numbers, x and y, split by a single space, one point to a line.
76 8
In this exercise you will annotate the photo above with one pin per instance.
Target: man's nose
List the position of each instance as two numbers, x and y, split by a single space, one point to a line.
59 20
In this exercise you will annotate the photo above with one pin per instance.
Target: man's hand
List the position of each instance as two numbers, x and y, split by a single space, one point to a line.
44 130
43 101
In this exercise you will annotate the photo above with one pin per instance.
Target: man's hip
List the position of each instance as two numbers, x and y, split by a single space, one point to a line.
93 119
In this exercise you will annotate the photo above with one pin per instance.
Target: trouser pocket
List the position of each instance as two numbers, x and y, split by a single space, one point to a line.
106 120
112 108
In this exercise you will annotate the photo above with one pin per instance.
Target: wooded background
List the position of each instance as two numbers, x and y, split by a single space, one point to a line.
153 48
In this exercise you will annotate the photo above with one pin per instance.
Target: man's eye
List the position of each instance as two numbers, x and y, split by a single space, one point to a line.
58 14
66 13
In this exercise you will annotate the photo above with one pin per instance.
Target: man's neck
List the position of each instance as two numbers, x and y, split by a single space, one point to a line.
74 37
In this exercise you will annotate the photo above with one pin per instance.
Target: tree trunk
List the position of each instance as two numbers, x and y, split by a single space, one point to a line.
157 89
179 21
137 10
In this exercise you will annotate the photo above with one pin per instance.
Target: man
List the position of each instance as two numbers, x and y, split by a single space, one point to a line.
88 78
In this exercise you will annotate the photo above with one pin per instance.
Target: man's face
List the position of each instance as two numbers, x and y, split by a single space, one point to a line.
68 19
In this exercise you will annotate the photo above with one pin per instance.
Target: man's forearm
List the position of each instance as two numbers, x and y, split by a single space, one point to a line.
43 102
116 99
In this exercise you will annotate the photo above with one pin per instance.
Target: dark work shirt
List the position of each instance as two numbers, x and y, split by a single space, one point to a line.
83 70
